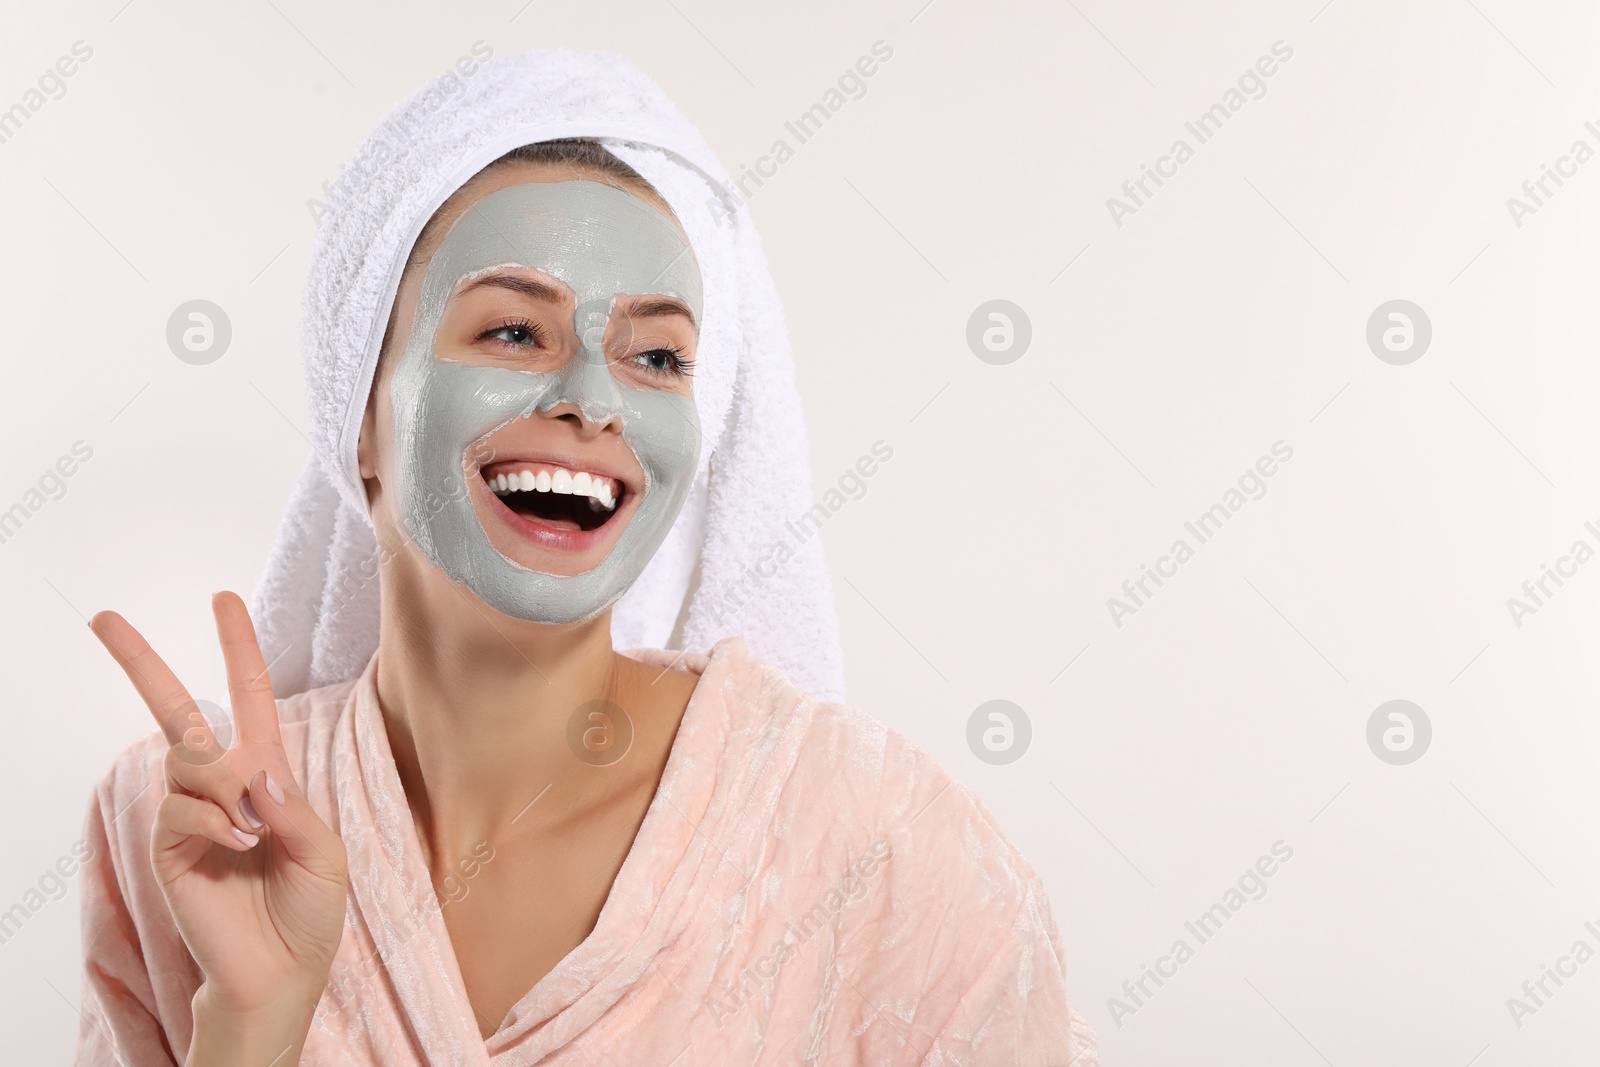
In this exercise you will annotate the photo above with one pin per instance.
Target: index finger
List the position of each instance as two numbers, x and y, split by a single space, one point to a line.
166 697
255 712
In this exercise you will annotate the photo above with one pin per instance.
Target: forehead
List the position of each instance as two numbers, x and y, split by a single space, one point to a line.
599 240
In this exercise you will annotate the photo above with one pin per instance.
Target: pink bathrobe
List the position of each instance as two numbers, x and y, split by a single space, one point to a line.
807 887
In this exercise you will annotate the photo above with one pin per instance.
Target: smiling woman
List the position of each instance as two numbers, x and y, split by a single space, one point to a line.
579 398
554 408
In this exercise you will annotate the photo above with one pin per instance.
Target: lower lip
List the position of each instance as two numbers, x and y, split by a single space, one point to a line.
554 538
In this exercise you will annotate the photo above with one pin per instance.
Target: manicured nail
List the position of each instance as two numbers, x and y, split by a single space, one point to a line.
248 810
248 839
274 790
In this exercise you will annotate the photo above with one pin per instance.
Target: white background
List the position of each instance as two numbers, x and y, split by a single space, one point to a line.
1228 313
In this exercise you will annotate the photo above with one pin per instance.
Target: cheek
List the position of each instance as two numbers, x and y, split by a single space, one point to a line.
664 432
379 462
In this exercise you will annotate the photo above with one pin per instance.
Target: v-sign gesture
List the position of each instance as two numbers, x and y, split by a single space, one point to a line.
254 878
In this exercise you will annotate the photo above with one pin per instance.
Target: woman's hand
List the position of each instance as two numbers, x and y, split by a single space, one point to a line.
254 878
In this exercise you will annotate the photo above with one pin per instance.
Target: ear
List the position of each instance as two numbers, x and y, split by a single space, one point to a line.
366 446
367 443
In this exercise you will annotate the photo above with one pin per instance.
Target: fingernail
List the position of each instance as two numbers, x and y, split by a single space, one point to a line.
248 839
274 790
248 810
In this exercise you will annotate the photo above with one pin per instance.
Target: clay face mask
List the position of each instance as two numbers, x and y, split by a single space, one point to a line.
601 242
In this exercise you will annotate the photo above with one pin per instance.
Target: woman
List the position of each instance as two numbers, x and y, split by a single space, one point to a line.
471 832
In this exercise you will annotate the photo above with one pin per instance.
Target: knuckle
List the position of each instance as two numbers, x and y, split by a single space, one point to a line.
180 765
194 745
198 772
194 760
251 682
173 811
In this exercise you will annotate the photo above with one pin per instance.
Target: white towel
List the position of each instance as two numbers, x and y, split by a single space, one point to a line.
759 576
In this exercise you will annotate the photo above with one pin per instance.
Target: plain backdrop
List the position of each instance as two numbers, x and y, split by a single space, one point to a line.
1172 346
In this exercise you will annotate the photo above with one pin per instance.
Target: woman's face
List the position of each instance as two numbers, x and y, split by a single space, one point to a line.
533 428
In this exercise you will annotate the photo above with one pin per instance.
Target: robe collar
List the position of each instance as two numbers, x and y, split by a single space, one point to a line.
649 905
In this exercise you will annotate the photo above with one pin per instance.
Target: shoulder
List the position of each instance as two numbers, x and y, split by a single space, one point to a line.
925 893
847 777
946 846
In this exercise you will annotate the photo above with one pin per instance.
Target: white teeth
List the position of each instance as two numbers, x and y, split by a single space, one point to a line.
599 489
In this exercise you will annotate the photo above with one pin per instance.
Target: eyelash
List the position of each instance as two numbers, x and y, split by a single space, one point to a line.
678 365
525 325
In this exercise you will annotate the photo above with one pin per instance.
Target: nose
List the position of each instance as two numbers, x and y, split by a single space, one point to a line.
588 395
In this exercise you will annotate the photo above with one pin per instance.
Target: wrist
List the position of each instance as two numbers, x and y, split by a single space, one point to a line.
260 1034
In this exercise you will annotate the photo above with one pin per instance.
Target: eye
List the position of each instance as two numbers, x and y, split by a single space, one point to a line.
518 333
664 360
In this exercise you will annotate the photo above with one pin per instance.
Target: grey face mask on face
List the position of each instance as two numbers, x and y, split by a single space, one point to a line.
602 242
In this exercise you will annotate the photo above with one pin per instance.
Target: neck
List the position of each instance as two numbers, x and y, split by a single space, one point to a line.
477 707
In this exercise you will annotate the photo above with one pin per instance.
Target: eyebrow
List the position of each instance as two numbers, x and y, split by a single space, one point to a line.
530 287
663 305
537 290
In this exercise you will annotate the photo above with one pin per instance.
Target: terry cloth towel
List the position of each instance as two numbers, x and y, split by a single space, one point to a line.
746 533
892 926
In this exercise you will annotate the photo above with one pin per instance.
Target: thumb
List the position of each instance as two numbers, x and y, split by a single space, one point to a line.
296 825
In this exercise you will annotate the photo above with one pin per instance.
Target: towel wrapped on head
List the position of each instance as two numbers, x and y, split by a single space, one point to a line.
732 564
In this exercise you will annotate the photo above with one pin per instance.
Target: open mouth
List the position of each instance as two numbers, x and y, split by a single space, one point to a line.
555 497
